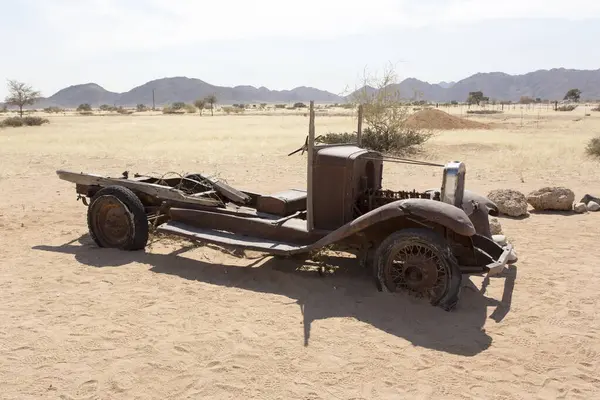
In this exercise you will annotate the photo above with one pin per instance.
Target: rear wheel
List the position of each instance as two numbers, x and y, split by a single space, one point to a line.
420 262
117 219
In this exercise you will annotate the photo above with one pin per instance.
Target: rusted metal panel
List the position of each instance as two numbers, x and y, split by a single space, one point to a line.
228 191
230 239
162 192
292 231
341 175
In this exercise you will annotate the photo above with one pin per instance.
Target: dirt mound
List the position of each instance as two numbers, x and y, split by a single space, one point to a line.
436 119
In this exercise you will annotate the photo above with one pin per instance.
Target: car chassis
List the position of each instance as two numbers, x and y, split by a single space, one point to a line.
421 242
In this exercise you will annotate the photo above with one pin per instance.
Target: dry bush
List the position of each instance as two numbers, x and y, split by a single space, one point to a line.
484 112
234 110
570 107
172 110
409 141
124 111
84 107
53 110
86 113
24 121
385 119
593 147
597 108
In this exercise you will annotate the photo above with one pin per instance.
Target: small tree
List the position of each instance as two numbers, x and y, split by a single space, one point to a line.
200 104
178 105
476 97
20 95
141 108
84 107
386 126
573 95
212 100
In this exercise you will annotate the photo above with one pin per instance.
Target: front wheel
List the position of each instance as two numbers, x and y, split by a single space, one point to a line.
420 262
117 219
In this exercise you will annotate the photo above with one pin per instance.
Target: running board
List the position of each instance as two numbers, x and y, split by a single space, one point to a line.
229 239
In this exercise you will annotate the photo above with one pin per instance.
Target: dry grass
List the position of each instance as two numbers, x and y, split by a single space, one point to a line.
81 322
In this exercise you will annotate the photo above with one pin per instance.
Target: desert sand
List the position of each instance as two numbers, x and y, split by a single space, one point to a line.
185 321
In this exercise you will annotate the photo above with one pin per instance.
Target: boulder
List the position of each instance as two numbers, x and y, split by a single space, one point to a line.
509 202
580 208
552 199
496 227
593 206
588 197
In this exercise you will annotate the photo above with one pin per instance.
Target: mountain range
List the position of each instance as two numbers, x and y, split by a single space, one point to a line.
545 84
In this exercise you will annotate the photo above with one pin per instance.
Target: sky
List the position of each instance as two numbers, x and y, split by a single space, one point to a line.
328 44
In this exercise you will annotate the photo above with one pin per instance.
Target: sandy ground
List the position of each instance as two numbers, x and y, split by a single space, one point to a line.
179 321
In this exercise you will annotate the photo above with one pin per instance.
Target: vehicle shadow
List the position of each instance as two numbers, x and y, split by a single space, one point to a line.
347 292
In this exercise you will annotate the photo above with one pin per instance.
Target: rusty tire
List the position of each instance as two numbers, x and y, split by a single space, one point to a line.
420 262
117 219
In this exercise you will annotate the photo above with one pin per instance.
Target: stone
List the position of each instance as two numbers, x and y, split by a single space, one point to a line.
495 226
593 206
588 197
555 198
580 208
500 239
509 202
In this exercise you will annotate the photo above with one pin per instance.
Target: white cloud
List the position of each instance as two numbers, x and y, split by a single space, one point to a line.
99 25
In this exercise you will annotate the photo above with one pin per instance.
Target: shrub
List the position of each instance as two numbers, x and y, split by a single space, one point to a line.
386 119
12 121
407 141
53 110
86 113
280 105
597 108
124 111
593 147
24 121
141 108
84 107
299 105
484 112
171 110
35 121
178 105
570 107
235 110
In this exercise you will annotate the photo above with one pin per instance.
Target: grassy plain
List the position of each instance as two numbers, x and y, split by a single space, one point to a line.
80 322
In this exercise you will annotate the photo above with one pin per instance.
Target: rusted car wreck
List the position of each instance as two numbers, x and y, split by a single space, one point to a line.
421 242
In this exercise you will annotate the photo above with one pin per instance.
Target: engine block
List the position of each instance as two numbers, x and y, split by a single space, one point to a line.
373 199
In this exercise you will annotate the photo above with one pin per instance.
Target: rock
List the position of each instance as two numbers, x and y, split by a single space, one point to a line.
509 202
593 206
500 239
580 208
496 227
552 199
588 197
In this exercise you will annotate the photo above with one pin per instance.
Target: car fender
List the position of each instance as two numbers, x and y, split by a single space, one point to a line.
435 211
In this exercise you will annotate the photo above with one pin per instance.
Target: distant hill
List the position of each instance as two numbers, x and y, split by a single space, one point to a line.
170 90
446 85
546 84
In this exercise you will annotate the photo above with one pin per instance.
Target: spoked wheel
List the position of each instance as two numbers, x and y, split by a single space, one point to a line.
117 219
419 262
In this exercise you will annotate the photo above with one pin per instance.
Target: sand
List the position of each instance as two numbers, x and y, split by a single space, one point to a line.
431 118
181 321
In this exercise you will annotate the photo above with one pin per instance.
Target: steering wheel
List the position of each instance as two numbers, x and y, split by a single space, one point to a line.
304 147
